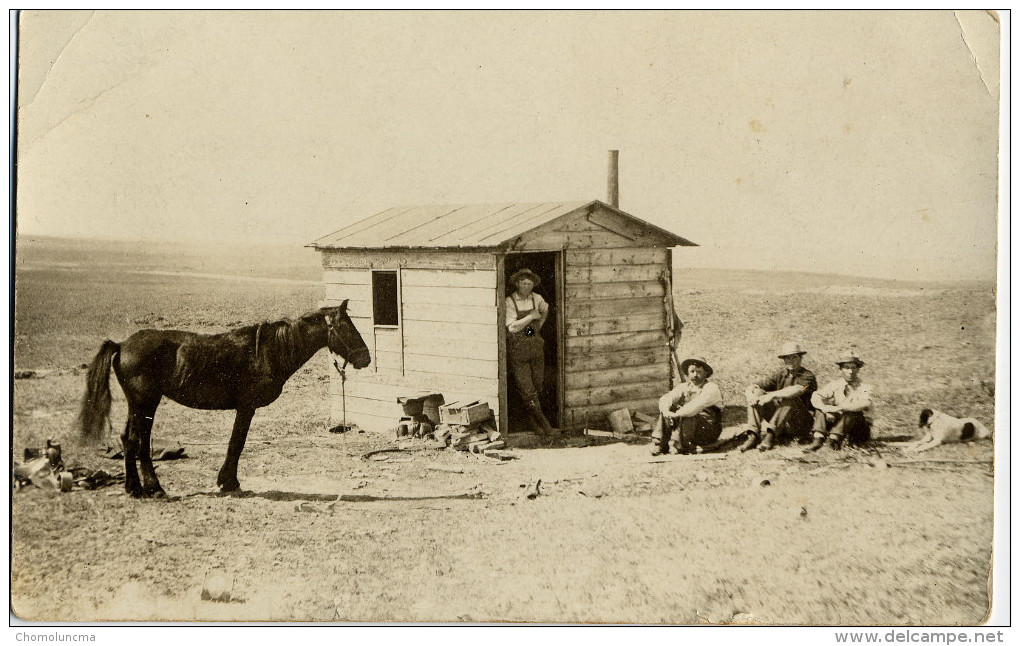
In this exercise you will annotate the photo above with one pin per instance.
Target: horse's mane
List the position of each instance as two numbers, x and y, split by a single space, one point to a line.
280 342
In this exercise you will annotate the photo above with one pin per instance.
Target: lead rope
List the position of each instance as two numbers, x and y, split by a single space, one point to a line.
343 385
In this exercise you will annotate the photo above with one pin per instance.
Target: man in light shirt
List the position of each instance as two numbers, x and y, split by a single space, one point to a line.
690 415
843 408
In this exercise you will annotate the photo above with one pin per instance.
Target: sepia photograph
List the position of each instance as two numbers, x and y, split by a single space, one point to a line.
692 319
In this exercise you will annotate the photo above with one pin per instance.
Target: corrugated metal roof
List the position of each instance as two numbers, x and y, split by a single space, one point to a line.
451 225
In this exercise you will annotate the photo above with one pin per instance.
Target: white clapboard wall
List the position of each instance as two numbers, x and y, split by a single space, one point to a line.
446 340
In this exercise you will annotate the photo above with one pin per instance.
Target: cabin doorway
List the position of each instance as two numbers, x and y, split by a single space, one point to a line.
546 265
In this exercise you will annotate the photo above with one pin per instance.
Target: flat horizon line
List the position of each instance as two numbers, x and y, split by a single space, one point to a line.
301 248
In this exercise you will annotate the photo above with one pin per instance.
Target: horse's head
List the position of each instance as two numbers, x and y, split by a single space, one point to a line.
343 338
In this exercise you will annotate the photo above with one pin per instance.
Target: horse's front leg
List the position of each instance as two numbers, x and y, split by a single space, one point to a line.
227 480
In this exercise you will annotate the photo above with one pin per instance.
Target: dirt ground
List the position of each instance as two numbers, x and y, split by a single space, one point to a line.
321 534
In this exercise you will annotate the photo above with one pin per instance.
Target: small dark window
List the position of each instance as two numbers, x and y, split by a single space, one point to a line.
385 308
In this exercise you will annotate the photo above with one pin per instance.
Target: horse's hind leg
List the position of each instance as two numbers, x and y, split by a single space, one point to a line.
138 448
129 443
227 478
150 483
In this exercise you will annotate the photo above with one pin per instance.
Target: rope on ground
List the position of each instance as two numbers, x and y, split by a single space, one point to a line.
368 456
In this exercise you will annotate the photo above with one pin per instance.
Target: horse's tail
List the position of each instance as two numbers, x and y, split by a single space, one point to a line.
95 404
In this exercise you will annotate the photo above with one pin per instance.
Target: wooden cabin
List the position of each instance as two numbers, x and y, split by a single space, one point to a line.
427 287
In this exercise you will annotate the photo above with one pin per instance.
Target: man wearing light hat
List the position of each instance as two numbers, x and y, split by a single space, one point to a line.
690 415
843 407
781 403
526 313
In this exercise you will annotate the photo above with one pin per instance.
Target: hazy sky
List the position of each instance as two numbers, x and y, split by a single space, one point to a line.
851 142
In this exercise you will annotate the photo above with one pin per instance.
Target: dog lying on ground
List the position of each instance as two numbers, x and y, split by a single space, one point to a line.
938 428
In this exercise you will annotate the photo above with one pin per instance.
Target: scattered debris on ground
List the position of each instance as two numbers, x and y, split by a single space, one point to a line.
344 428
444 468
43 468
41 373
95 478
159 450
684 458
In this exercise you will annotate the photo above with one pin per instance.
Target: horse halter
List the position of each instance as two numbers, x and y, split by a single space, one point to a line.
333 328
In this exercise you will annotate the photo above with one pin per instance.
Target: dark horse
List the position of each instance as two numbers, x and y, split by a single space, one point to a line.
243 369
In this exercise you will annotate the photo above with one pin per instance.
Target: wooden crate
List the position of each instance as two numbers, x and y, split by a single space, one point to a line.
464 413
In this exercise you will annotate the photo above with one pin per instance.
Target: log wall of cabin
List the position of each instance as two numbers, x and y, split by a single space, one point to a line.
446 340
617 353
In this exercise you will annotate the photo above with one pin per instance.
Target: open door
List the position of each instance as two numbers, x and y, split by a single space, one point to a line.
546 265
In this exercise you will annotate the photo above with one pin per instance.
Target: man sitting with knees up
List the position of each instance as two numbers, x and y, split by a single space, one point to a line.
690 415
843 407
780 404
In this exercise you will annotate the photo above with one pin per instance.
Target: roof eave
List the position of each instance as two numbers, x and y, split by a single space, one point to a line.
339 247
507 243
677 240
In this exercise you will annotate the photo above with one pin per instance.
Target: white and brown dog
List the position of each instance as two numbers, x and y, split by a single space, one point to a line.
939 428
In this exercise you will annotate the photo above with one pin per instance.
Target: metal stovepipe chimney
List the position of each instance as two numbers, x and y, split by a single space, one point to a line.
613 181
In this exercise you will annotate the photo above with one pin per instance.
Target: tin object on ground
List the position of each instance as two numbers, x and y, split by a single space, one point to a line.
217 586
620 422
65 481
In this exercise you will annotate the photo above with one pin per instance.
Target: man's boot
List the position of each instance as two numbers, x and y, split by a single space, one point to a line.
750 442
679 444
659 446
835 442
817 443
660 437
536 414
768 441
534 426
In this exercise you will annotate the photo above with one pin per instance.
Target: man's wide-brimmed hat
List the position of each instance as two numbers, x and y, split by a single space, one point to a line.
525 273
790 348
699 361
849 357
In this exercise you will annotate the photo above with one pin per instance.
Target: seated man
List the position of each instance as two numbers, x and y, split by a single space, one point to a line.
781 403
690 415
843 407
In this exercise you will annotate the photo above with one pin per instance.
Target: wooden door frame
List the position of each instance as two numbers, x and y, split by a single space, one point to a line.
504 375
559 262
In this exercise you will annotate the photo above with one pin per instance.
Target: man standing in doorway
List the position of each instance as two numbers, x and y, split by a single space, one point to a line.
526 313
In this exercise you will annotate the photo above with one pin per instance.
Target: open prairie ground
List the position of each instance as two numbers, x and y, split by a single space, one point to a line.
838 538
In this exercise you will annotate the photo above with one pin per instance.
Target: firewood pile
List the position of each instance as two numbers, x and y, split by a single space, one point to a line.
470 427
476 438
462 426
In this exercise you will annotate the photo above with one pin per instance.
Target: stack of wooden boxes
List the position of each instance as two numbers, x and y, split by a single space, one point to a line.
468 426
